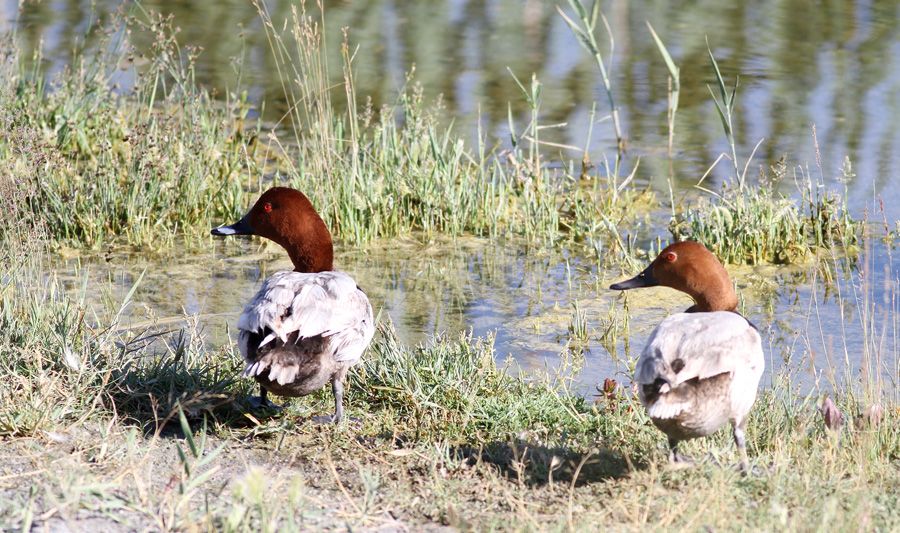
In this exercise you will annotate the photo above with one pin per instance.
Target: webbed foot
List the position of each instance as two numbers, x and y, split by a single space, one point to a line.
325 419
677 461
262 402
680 462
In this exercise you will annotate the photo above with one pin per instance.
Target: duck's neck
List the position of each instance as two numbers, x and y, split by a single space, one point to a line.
720 298
311 258
305 263
307 241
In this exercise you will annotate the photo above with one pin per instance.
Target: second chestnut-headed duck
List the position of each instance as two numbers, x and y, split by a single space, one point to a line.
305 328
700 369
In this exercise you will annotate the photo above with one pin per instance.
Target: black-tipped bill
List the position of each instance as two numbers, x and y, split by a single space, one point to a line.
644 279
241 227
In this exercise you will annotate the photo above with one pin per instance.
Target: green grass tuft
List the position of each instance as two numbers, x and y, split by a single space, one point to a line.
758 225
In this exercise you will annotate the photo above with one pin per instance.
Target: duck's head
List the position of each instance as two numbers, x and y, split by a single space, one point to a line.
287 217
689 267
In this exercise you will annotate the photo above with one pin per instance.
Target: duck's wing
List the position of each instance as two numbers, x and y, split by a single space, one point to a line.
326 304
699 345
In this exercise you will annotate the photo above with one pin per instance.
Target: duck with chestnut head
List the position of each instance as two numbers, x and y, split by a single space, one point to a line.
305 328
701 368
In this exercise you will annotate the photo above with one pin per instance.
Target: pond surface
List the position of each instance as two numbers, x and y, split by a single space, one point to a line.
812 330
832 65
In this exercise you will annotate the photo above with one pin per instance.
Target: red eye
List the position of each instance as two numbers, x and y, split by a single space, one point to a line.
267 207
670 257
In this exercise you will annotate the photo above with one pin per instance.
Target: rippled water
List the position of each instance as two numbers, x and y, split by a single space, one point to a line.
527 300
835 65
832 65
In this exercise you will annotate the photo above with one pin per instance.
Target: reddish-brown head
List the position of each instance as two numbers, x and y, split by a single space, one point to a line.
689 267
287 217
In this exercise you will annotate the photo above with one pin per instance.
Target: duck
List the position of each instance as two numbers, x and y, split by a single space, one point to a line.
701 368
307 327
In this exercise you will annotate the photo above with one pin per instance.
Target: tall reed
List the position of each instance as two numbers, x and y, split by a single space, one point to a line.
585 29
674 89
725 106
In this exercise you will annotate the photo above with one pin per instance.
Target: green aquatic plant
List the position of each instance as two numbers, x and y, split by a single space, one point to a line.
725 103
753 225
532 132
161 161
585 29
674 89
403 171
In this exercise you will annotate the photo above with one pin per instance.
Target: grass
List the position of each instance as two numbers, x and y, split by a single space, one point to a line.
155 166
114 428
585 29
758 224
725 105
674 89
151 432
118 429
130 167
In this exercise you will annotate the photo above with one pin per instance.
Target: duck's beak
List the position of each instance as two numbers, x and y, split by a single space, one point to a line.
644 279
241 227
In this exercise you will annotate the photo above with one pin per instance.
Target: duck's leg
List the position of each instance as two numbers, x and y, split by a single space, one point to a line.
677 461
740 440
337 387
263 402
674 456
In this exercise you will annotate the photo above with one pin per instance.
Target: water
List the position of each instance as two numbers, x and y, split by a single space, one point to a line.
835 66
526 300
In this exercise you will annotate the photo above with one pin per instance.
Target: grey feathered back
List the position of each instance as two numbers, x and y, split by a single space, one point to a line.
327 304
699 345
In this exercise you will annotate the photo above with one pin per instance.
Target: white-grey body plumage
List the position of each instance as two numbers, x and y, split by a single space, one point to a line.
699 371
302 330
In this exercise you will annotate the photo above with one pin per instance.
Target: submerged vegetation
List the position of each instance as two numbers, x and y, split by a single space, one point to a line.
149 428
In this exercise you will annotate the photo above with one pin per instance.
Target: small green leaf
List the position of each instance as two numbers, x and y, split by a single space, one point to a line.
186 430
722 90
674 71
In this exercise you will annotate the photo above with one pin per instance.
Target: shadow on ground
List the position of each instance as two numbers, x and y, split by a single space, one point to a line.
538 465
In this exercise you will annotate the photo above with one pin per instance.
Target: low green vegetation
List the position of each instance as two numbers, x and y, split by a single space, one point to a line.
104 166
161 163
437 433
761 225
148 429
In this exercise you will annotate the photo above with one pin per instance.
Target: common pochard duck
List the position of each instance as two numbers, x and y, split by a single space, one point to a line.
700 369
305 328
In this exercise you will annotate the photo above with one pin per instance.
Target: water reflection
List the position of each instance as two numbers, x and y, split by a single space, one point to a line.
833 64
